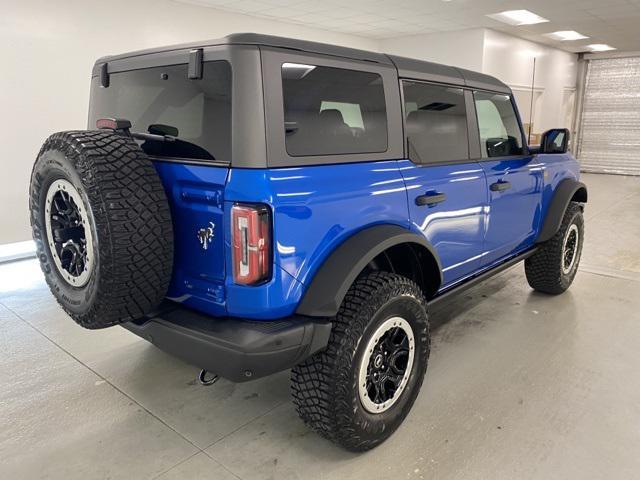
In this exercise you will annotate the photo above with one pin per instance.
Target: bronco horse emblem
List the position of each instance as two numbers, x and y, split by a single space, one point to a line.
205 235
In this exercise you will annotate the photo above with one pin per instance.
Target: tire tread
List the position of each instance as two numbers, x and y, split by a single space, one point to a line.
132 219
320 385
543 269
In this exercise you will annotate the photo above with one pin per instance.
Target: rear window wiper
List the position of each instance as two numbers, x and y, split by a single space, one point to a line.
173 145
123 126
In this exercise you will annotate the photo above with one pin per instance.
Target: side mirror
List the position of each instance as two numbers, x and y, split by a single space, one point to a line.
502 147
555 140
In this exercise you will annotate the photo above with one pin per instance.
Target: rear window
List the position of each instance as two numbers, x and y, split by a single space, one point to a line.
162 100
333 111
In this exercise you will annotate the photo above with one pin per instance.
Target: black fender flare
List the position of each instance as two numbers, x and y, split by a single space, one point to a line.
566 191
332 281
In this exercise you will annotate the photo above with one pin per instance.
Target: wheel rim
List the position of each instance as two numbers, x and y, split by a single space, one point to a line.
570 248
69 233
386 365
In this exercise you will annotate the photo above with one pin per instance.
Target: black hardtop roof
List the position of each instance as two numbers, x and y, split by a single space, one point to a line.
407 67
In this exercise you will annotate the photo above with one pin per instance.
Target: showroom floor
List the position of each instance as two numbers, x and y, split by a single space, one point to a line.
520 385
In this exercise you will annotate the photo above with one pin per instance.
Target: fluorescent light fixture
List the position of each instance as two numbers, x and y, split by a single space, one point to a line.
600 47
566 35
518 17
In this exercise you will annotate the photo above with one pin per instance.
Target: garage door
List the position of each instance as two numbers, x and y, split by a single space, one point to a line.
610 131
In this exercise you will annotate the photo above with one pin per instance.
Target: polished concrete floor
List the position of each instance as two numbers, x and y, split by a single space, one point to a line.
520 385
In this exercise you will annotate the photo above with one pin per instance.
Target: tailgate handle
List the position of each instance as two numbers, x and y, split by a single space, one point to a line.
200 196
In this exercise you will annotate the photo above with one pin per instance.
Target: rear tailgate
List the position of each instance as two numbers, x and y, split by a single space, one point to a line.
196 200
193 162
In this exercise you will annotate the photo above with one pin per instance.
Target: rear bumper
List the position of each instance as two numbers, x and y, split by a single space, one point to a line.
233 348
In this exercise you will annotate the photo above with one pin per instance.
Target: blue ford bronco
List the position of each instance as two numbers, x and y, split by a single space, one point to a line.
256 203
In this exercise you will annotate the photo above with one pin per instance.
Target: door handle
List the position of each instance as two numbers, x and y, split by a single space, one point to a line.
500 186
430 199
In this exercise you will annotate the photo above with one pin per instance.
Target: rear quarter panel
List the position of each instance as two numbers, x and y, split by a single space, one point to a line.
315 208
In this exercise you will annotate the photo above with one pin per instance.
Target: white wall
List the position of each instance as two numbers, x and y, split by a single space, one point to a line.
511 60
48 48
508 58
460 48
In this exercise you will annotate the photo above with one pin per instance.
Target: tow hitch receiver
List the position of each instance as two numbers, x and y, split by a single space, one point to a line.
202 378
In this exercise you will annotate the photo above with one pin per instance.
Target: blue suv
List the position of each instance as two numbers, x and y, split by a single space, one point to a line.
256 203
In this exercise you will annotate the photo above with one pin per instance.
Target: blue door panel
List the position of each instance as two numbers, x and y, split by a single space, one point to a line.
514 215
454 227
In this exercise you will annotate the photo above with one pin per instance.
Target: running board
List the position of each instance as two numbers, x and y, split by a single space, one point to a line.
473 281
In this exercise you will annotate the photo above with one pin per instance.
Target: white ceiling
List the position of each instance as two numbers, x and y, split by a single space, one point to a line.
614 22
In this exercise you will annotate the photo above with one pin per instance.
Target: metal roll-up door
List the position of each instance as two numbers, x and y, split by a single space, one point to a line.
610 120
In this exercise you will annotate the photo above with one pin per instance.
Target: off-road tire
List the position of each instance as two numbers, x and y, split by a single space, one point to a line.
130 223
325 387
544 269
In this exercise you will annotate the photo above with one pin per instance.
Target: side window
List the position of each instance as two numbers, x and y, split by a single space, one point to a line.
500 133
436 122
333 111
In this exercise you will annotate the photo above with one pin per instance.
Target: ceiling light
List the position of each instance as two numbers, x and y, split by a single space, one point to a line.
518 17
566 35
600 47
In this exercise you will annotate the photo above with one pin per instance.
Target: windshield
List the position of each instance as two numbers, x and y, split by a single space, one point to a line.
164 101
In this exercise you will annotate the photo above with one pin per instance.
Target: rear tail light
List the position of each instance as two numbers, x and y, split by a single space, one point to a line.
251 243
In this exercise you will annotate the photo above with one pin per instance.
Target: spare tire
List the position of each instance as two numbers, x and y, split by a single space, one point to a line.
102 226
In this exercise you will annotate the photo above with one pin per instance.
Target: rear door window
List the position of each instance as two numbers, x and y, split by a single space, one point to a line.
333 111
500 133
435 122
164 101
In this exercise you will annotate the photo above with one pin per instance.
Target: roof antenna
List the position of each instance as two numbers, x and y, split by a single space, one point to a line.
533 81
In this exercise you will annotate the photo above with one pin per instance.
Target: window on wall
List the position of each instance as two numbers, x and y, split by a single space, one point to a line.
500 133
333 111
436 122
